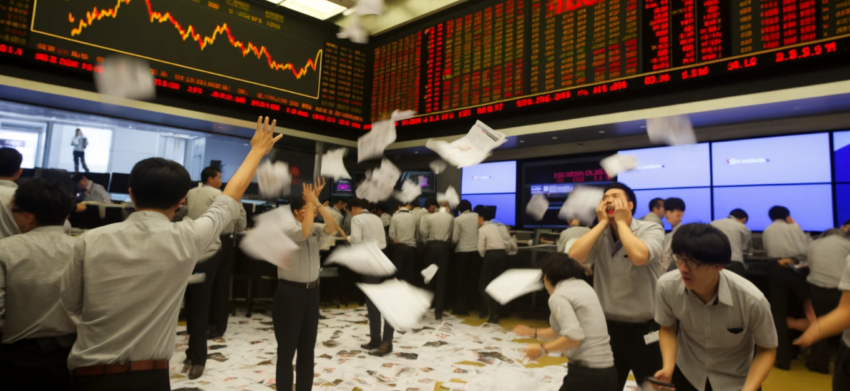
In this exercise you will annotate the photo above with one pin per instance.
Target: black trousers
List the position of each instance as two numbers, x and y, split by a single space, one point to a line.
581 378
492 266
631 351
34 364
198 310
153 380
738 268
404 259
438 253
841 379
783 282
682 383
220 299
375 318
463 288
823 302
80 157
475 265
296 324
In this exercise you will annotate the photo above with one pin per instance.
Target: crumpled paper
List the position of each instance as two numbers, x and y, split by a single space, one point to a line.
274 179
429 272
537 207
363 258
673 130
451 196
618 163
471 149
333 166
379 183
267 241
126 77
515 283
402 305
581 204
371 145
354 32
409 191
438 166
370 7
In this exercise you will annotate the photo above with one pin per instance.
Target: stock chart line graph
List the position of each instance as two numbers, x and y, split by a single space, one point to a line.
123 26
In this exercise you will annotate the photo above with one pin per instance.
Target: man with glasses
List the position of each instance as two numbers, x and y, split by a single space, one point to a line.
719 315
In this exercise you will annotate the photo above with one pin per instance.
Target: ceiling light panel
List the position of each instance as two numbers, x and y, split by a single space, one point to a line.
319 9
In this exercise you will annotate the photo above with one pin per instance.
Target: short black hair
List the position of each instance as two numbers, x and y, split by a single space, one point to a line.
48 201
478 209
674 203
382 206
336 200
739 214
778 213
656 202
487 213
209 172
846 223
558 267
464 206
158 183
630 194
431 201
703 243
296 203
10 162
358 203
77 177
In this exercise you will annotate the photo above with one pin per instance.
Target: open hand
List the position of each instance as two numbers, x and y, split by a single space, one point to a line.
601 212
622 213
309 194
319 186
523 331
264 139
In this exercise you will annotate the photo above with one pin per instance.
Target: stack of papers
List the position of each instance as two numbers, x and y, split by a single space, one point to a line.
470 149
674 130
363 258
267 241
274 180
380 182
332 165
451 196
515 283
615 164
537 207
581 204
126 77
409 191
402 305
383 133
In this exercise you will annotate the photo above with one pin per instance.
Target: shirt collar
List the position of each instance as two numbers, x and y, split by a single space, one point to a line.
404 211
50 228
465 212
8 183
617 245
155 217
724 293
90 186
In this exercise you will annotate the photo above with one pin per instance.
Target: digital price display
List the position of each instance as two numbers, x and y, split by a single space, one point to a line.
223 50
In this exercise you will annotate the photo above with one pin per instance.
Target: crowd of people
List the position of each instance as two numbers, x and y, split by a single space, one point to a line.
99 311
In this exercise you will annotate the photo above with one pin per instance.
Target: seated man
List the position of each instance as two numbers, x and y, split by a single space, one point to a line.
740 238
38 334
827 257
93 191
719 316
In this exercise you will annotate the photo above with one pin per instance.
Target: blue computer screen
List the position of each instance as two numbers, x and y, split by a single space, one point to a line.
697 203
841 145
772 160
505 205
843 198
498 177
664 167
810 205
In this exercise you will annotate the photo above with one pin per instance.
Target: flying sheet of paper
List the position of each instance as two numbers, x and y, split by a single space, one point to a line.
363 258
379 183
438 166
618 163
409 191
537 207
370 7
673 130
267 241
581 204
470 149
126 77
332 165
354 32
401 304
274 179
515 283
429 272
371 145
451 196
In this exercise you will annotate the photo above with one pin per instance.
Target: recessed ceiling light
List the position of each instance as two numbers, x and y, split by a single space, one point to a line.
554 137
601 132
319 9
416 152
522 141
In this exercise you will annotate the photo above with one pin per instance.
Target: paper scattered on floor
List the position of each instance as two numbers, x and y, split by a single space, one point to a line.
673 130
581 204
537 207
515 283
618 163
274 179
401 304
438 166
429 272
267 241
363 258
383 133
471 149
333 166
370 7
451 196
379 183
409 191
353 31
126 77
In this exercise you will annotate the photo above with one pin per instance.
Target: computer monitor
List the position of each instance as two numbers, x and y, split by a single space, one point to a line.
426 179
120 183
772 160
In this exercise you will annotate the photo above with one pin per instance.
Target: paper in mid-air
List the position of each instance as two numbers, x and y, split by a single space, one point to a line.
438 166
379 183
126 77
581 204
370 7
409 191
354 32
274 179
673 130
332 165
402 305
537 207
451 196
267 241
471 149
363 258
429 272
618 163
371 145
515 283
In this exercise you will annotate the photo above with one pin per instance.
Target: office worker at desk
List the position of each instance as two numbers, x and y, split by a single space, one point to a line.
627 264
10 171
93 191
126 281
740 238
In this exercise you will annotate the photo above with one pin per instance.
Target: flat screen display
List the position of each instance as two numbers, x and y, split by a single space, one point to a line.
426 180
666 167
27 143
343 187
810 205
486 178
841 145
772 160
505 205
843 197
120 183
697 204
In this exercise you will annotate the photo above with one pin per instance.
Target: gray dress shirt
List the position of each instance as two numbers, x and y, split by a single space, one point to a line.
346 223
740 237
201 198
403 228
465 232
827 258
491 237
8 227
627 291
125 284
844 285
97 193
783 240
716 339
577 315
418 213
337 215
31 266
667 255
436 226
367 227
652 218
305 262
569 234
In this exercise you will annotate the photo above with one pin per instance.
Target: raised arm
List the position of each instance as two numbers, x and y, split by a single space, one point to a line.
580 250
313 192
636 249
261 145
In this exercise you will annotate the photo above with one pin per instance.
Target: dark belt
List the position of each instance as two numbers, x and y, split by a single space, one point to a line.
305 285
121 368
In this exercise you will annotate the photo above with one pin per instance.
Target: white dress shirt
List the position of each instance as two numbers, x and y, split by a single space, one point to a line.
403 228
465 232
306 264
827 258
97 193
367 227
8 227
491 237
783 240
436 226
201 198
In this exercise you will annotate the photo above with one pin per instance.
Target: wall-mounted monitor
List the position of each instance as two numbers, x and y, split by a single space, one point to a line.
27 143
343 188
505 205
697 203
489 178
772 160
842 195
426 179
120 183
667 167
810 205
556 179
841 146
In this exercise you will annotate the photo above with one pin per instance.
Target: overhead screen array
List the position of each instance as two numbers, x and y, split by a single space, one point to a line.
841 156
508 55
492 184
